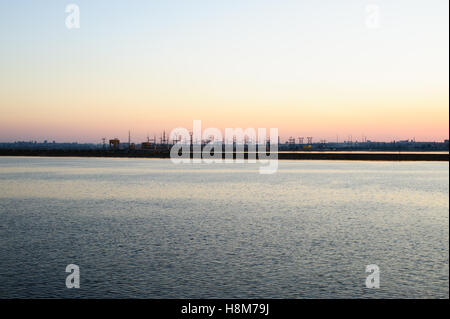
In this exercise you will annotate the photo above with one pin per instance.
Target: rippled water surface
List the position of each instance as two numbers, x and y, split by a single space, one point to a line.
148 228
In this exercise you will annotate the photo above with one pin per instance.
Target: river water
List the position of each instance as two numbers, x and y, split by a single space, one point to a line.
147 228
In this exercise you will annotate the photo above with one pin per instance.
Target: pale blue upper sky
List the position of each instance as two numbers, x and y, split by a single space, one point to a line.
281 51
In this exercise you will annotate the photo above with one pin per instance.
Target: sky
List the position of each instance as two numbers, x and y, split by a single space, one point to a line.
320 68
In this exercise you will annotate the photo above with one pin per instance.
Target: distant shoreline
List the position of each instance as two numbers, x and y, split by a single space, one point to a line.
368 156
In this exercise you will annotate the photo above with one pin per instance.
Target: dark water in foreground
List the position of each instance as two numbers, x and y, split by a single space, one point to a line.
151 229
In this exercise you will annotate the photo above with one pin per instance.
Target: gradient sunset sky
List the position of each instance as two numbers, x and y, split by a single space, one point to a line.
309 68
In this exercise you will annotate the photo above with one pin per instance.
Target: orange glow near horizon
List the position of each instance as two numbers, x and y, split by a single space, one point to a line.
233 69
